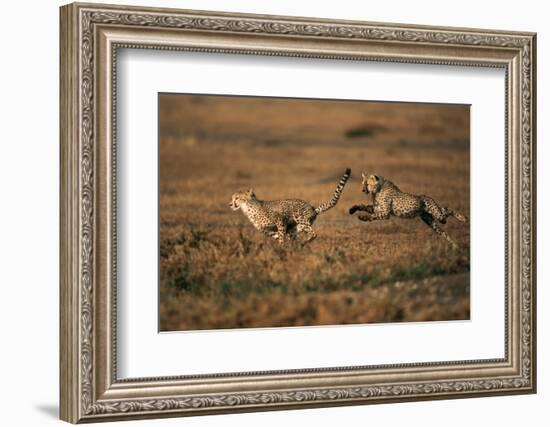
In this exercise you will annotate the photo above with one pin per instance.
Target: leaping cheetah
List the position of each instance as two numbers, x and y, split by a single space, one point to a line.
389 200
284 219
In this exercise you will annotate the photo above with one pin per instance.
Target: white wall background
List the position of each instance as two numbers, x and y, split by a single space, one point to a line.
29 171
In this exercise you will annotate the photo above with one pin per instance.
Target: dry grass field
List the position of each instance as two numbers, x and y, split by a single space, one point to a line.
217 271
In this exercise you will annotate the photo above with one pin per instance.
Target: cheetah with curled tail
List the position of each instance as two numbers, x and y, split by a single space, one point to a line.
284 219
389 200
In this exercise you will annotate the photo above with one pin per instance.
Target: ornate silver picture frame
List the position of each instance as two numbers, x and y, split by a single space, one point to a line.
91 34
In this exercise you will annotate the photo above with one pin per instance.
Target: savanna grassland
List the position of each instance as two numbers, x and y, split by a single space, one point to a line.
217 271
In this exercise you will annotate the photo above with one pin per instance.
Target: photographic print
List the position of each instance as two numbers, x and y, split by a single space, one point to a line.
278 212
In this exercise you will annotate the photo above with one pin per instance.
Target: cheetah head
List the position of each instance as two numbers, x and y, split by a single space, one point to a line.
371 183
241 197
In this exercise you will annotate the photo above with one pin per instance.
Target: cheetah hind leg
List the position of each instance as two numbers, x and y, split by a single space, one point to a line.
444 213
457 215
439 213
308 231
429 220
293 233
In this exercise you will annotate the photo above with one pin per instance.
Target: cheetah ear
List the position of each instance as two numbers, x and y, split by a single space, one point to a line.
363 175
376 177
250 192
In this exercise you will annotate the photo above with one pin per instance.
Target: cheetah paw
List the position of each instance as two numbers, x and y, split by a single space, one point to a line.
353 209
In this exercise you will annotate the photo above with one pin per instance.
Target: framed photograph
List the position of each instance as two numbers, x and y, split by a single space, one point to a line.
265 212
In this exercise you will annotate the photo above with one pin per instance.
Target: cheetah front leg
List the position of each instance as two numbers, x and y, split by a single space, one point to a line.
282 236
366 208
277 235
429 220
270 231
276 229
378 213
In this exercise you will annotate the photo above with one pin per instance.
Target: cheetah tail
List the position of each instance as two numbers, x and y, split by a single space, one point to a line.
337 193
